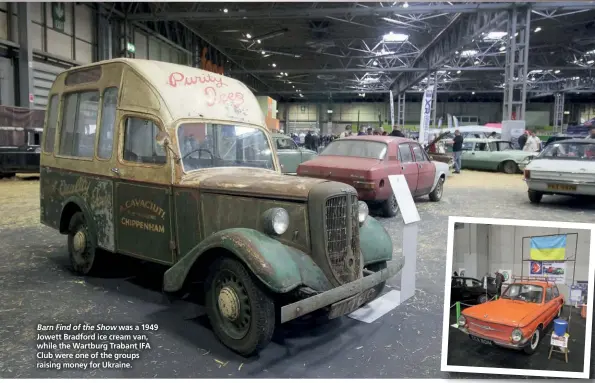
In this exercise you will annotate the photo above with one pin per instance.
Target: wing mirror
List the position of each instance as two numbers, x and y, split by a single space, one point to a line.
162 139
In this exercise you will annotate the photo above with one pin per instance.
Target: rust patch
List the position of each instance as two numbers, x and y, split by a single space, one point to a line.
256 259
257 182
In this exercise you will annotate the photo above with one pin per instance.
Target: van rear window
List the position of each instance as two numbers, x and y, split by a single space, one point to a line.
83 76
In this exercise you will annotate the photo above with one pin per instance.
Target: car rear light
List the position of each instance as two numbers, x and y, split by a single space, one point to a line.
364 185
527 174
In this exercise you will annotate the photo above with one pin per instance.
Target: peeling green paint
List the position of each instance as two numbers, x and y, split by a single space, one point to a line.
281 268
376 244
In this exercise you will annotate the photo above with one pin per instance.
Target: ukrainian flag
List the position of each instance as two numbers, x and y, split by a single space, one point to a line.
550 248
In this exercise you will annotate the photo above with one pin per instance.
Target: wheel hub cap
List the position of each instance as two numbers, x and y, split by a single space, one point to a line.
229 303
79 242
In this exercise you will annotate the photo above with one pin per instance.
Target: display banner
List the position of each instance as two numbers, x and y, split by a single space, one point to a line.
426 110
440 123
449 121
455 121
535 268
555 271
392 111
550 248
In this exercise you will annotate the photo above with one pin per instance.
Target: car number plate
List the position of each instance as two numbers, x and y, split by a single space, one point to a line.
351 304
561 187
481 340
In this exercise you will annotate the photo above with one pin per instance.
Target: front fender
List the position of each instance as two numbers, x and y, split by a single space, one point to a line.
375 242
279 267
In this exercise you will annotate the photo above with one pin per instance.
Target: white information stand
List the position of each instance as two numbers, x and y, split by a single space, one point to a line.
410 217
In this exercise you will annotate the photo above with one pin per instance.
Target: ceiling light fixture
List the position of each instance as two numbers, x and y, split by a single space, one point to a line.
476 62
225 10
405 5
458 72
375 63
502 49
472 92
258 41
248 35
537 29
395 37
590 62
557 71
494 36
263 52
274 65
469 53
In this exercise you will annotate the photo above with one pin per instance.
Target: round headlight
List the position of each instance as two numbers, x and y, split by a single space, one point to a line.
462 321
517 335
276 221
362 211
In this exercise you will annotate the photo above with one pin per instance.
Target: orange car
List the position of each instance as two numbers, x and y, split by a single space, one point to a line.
517 320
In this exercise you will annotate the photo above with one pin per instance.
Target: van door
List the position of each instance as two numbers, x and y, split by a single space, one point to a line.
144 204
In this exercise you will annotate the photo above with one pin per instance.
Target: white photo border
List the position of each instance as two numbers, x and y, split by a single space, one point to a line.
447 280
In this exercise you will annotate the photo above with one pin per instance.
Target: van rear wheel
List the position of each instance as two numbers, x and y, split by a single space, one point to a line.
81 245
240 310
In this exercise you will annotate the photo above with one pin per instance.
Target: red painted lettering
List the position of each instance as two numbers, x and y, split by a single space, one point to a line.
234 98
211 95
175 78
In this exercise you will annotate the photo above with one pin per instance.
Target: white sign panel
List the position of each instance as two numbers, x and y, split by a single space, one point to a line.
426 110
512 130
455 121
409 212
559 341
449 118
461 272
554 271
392 110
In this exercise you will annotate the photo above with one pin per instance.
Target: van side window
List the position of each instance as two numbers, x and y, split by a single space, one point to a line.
140 144
50 130
108 121
79 124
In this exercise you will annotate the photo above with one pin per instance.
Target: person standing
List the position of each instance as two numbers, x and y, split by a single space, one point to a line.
457 149
523 140
499 282
532 144
346 132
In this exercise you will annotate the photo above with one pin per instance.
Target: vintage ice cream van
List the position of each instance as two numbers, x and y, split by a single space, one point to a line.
174 165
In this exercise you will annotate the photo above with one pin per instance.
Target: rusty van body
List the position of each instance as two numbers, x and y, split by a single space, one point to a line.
174 165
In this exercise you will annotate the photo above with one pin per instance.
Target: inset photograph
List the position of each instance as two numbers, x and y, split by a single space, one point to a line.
518 298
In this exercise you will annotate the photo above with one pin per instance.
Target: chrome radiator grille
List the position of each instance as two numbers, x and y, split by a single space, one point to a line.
342 237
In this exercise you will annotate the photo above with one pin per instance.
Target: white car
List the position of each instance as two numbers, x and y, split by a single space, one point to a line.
565 167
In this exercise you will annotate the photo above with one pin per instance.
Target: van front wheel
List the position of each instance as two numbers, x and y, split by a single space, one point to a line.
240 310
81 245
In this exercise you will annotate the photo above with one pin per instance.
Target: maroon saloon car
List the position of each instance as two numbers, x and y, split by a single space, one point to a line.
365 162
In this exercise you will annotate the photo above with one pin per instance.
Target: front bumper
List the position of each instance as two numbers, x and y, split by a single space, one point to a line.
357 292
498 342
562 187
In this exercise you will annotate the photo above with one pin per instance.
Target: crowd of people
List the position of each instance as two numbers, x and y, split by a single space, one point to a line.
313 141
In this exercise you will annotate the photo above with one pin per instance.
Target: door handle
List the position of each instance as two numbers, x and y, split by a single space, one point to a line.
115 170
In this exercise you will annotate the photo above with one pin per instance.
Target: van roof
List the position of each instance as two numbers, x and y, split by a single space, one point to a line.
195 93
